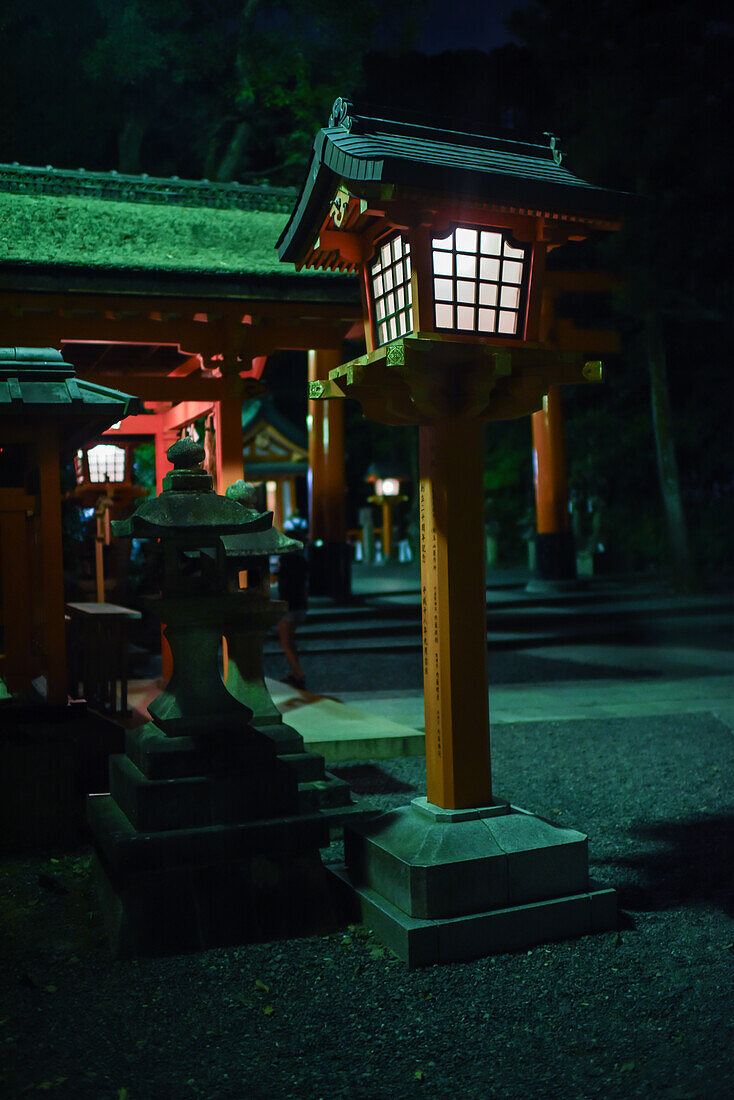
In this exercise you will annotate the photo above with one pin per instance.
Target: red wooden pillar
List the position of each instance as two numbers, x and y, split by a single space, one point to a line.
330 563
556 559
228 435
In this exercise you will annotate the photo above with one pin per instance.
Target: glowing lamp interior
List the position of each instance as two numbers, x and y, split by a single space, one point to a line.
479 281
391 291
387 487
106 462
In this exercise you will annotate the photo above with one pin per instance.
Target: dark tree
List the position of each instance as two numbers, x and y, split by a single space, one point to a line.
642 97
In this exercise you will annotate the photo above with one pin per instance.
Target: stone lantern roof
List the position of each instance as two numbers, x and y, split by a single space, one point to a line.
188 508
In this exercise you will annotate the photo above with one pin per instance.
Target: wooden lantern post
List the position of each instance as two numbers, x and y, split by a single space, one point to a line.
449 233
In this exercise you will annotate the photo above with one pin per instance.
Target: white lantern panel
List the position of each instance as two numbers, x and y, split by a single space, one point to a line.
491 244
106 462
444 316
443 263
466 240
511 272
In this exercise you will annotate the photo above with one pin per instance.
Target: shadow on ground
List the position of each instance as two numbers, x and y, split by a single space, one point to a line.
690 863
371 779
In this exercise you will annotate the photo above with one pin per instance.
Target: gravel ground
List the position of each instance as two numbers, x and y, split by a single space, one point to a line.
646 1011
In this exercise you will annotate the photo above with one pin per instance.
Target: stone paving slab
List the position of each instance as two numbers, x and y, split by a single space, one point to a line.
575 700
339 731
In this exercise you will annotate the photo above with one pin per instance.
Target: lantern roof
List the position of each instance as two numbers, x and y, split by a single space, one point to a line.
37 384
379 160
188 508
255 543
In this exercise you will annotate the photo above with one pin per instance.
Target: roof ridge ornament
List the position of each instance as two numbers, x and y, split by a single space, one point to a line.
554 143
340 115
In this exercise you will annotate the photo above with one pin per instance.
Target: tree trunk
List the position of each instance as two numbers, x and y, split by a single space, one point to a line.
232 155
129 142
664 442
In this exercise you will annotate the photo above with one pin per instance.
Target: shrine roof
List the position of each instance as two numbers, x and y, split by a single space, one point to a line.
54 219
377 160
261 412
37 385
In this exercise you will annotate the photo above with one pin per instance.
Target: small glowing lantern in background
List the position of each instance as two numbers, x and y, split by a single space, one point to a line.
449 233
104 483
102 462
386 493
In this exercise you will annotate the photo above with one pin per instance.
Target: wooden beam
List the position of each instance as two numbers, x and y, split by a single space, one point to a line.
228 436
90 304
185 413
140 424
183 370
150 388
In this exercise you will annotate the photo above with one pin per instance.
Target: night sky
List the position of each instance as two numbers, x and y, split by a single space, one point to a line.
473 25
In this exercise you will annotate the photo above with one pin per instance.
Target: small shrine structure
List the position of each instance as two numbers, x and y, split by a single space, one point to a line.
275 454
44 409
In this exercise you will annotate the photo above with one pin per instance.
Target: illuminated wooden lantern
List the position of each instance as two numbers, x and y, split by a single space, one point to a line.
386 493
448 233
104 482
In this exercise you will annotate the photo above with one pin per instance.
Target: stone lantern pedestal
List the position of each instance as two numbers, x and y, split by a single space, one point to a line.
202 840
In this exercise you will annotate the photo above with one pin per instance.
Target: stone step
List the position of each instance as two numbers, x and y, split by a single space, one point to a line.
324 794
309 766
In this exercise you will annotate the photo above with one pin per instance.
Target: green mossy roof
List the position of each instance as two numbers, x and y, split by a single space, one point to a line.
71 229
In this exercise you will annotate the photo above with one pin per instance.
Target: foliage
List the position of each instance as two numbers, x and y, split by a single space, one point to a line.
508 489
218 88
641 95
144 466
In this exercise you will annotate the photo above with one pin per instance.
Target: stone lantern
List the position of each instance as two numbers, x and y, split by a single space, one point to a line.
448 234
201 840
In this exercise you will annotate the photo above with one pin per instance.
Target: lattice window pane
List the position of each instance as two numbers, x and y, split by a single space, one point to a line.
491 244
390 276
511 272
466 240
510 297
443 263
465 317
476 267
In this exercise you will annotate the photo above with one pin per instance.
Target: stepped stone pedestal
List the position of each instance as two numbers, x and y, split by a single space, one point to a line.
442 885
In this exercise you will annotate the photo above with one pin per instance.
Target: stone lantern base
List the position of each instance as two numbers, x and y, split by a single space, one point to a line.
451 885
200 845
192 889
